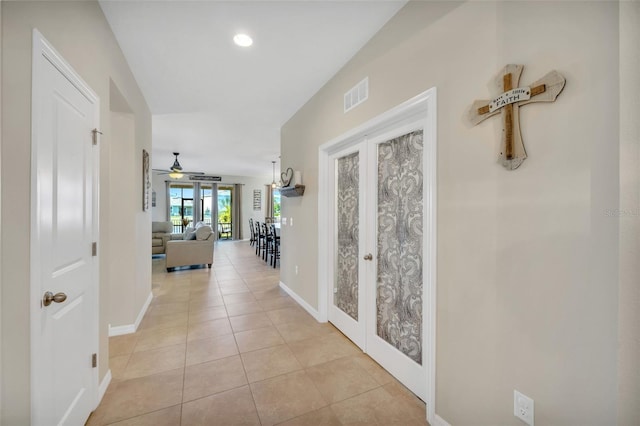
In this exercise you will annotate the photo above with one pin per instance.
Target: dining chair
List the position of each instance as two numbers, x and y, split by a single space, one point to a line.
275 251
252 239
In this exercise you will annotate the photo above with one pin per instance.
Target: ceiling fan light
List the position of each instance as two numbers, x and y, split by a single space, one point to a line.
176 165
175 175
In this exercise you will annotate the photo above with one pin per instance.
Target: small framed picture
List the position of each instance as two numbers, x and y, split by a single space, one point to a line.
146 181
257 199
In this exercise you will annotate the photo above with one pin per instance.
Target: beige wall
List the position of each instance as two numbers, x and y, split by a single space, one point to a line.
629 296
79 31
122 208
527 259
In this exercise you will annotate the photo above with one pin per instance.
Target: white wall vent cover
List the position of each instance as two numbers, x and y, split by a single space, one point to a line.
356 95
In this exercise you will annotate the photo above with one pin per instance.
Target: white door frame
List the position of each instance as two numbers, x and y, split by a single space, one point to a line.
421 107
42 48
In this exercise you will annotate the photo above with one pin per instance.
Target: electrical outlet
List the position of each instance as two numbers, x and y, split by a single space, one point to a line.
523 407
296 269
284 221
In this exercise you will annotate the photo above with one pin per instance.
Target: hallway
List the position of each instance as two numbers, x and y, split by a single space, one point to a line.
226 346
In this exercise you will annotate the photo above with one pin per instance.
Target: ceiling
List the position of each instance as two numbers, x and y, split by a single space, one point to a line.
221 106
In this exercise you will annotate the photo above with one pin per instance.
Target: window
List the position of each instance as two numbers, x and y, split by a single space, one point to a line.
276 205
225 205
181 205
206 194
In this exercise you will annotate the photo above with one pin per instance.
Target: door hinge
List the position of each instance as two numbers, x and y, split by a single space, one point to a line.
95 136
94 360
94 249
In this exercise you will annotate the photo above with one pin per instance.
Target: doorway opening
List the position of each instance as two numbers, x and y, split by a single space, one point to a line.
225 204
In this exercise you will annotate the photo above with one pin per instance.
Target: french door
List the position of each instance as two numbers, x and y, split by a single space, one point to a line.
378 203
347 296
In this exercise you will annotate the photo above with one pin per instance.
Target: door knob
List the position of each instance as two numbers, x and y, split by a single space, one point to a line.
50 297
368 256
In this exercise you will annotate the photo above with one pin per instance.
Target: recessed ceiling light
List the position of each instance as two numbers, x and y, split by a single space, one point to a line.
242 40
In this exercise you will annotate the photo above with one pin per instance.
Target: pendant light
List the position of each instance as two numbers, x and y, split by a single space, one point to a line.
274 185
176 168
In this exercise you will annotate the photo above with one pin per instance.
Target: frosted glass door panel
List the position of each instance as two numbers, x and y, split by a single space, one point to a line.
348 223
399 244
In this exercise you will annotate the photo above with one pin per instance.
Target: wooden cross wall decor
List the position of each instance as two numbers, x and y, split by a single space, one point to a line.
507 103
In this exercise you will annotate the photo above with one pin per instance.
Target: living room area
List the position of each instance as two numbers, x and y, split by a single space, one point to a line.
199 211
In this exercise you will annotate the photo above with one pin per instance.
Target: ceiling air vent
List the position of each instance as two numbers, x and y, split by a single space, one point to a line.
356 95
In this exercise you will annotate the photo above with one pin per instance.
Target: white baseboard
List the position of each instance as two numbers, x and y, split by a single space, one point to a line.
439 421
104 384
121 329
143 310
307 307
131 328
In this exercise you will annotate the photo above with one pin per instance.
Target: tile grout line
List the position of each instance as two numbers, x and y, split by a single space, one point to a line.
193 278
186 345
244 368
243 363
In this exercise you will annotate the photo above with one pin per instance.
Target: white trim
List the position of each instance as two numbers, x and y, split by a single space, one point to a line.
420 107
324 184
131 328
104 384
430 249
408 109
42 48
143 311
1 340
307 307
439 421
121 329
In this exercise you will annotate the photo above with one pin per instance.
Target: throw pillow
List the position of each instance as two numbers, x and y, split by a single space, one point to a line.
189 234
203 233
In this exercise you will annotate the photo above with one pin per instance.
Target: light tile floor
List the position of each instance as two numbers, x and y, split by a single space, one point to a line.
225 346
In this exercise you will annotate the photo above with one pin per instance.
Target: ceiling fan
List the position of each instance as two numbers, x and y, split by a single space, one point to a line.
175 171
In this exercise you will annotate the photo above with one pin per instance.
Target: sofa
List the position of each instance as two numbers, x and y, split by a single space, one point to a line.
196 248
160 234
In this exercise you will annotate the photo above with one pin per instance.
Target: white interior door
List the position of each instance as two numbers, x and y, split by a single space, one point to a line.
64 330
378 207
393 273
395 305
